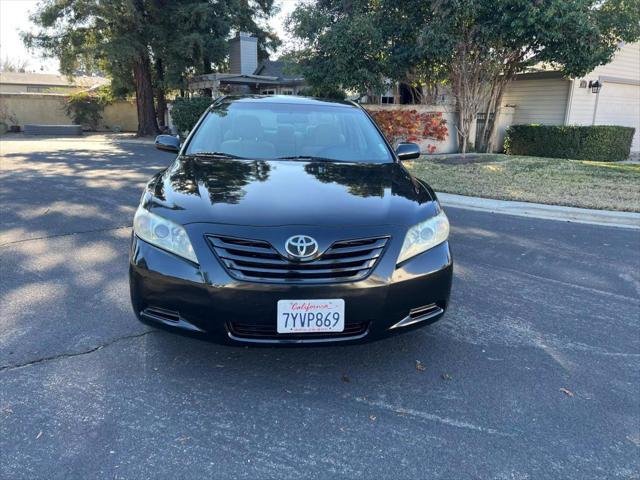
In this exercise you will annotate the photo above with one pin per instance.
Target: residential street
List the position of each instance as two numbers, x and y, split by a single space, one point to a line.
534 372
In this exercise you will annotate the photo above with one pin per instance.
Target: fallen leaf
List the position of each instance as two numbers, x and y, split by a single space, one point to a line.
419 366
567 392
446 376
39 435
346 379
373 418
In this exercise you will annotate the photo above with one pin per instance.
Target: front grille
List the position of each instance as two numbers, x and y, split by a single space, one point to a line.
269 332
257 260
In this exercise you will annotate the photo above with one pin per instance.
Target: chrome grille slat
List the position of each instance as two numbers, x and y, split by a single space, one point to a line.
279 262
295 271
243 248
258 260
357 248
269 331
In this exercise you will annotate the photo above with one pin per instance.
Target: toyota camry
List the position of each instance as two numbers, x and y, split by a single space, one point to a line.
288 220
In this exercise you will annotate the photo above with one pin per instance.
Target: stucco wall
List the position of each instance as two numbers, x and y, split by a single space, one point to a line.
23 108
122 114
450 145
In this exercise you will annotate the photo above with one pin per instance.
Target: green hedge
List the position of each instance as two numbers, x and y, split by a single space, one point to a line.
186 111
605 143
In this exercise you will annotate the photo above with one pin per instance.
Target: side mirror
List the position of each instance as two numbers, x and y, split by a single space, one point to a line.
408 151
168 143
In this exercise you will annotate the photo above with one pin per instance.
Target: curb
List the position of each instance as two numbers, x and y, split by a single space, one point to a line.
542 211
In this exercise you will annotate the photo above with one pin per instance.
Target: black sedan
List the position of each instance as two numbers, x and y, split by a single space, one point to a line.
288 220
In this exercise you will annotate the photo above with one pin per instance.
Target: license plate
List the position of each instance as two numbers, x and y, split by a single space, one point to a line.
310 316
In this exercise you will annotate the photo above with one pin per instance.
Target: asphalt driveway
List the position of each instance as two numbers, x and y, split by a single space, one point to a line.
534 372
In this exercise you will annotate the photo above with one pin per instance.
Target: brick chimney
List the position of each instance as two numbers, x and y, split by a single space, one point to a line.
243 54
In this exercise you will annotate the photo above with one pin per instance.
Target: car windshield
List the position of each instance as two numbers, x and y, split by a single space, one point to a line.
289 131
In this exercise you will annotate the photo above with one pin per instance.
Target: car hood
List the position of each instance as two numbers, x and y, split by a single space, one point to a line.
273 193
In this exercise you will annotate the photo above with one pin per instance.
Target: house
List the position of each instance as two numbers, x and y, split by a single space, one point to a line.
25 82
246 75
288 83
609 95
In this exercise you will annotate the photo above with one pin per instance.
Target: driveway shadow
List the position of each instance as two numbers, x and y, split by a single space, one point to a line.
69 190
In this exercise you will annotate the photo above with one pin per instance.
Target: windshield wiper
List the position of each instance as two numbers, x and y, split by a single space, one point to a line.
216 155
310 158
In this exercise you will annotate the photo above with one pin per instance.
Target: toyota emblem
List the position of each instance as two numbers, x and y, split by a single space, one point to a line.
301 247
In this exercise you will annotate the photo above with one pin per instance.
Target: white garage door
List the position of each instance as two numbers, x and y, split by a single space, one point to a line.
619 104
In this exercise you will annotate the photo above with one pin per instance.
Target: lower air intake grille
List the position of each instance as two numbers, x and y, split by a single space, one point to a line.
425 312
257 260
269 332
161 314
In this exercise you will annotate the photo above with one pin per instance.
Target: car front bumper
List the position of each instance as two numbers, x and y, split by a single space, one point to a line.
172 293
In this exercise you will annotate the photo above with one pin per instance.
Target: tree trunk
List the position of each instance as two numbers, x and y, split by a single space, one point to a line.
162 108
492 112
491 123
147 124
161 102
462 137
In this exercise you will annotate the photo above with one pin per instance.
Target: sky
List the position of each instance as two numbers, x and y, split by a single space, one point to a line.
14 17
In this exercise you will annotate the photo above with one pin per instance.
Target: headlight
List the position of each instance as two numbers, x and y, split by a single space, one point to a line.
163 233
424 235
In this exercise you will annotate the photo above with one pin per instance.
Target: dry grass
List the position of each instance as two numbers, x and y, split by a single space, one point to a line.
575 183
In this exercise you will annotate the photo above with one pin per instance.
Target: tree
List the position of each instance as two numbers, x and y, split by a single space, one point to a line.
190 37
362 45
111 36
343 46
476 46
484 44
13 65
145 46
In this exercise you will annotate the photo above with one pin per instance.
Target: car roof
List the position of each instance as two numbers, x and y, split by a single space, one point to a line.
286 99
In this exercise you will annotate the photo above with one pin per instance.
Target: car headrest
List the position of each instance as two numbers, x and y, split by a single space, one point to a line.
286 131
325 134
247 127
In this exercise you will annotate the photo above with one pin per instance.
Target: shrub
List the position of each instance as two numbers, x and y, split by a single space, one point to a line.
605 143
85 108
186 111
399 125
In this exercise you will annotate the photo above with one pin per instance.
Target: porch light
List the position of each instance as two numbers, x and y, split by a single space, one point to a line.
595 86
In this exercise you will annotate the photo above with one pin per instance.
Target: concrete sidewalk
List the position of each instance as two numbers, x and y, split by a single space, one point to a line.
547 212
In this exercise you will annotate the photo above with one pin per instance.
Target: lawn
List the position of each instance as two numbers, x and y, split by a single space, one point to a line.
576 183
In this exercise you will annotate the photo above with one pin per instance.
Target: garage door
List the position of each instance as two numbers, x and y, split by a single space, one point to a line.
619 104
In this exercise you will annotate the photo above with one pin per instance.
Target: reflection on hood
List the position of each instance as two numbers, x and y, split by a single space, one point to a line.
281 192
365 179
224 179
